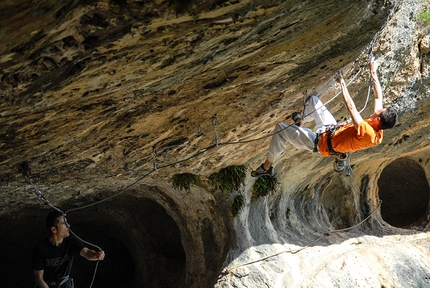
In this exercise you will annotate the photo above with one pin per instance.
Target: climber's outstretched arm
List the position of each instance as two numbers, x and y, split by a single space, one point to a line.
377 90
349 103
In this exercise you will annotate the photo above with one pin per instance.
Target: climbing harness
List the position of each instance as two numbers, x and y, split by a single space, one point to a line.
57 283
330 132
348 156
332 129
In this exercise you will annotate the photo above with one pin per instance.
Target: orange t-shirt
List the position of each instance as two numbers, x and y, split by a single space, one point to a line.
348 139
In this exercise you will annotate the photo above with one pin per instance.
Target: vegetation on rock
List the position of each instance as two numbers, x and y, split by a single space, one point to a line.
425 17
229 178
238 204
264 185
184 181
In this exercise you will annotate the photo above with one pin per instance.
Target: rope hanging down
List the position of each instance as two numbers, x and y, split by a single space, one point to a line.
97 248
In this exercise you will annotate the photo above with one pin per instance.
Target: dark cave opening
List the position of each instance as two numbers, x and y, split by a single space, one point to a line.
142 244
404 191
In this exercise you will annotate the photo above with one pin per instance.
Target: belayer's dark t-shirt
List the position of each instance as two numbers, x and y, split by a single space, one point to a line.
56 261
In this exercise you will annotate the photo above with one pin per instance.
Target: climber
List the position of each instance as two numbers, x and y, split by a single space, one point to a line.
53 256
331 138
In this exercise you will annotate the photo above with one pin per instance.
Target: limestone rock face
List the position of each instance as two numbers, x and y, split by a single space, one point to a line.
104 102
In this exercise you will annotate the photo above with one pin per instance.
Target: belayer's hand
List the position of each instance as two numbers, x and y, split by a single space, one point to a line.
100 255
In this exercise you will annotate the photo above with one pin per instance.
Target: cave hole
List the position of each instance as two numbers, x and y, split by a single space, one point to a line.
141 241
404 191
142 244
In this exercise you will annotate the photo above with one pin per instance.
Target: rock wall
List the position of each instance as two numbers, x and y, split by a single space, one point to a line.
317 232
103 102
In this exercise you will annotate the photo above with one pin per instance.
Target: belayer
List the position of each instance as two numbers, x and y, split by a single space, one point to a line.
331 138
53 256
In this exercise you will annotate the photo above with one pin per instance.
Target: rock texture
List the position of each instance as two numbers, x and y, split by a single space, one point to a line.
103 102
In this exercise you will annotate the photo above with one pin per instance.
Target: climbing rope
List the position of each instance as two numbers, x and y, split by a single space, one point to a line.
368 96
215 122
97 248
228 271
42 197
370 55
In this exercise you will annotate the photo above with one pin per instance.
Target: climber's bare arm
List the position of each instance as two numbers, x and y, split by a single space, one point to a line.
349 103
377 90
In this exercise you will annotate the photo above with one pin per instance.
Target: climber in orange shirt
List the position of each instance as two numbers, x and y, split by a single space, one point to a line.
331 138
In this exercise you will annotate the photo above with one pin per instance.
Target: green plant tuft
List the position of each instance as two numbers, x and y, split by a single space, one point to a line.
184 181
425 17
238 204
229 178
264 185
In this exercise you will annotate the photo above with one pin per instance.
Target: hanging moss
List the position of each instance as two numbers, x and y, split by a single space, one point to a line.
184 181
264 185
229 178
238 204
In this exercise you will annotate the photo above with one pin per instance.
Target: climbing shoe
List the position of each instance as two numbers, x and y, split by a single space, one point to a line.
261 172
297 118
339 163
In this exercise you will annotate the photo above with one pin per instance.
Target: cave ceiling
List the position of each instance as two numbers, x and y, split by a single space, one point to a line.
104 97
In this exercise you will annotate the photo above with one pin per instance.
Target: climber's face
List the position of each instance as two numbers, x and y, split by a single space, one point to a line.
377 114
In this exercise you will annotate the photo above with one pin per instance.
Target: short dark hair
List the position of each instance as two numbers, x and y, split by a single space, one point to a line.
388 118
51 219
